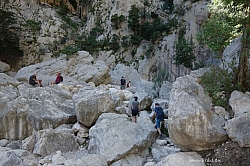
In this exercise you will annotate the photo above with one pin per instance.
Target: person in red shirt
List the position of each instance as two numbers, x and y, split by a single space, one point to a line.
58 78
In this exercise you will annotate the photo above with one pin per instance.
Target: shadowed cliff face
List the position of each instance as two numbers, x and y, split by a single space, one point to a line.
10 52
11 59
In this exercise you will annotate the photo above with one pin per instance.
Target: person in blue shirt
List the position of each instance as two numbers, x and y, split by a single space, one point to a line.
159 117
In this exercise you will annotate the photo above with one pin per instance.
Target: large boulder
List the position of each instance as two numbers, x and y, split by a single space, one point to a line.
240 103
49 141
238 127
16 157
165 90
192 125
114 136
90 104
147 87
82 68
238 130
33 109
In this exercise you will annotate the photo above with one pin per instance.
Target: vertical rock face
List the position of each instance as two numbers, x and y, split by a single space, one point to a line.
192 124
53 35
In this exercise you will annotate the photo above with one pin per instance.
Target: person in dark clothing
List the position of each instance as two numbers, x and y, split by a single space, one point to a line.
135 107
123 83
159 117
34 81
59 79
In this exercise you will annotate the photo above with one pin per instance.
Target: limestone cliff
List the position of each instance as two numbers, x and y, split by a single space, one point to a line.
92 27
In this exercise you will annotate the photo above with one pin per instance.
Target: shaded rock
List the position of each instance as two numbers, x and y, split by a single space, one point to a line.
49 141
240 103
238 130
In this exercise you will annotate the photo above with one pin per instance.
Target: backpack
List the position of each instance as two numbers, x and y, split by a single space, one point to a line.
159 113
61 79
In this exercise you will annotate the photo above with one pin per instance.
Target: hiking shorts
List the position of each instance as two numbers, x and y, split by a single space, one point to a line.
134 112
158 123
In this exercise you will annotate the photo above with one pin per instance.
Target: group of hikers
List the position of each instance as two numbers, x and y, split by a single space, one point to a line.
33 80
123 83
158 114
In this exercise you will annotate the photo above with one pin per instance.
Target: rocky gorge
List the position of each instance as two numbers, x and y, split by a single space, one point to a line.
86 119
83 121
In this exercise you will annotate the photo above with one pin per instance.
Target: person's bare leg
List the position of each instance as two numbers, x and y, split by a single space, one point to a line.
39 82
133 118
159 130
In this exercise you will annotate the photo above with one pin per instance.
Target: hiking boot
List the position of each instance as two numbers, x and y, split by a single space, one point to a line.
161 136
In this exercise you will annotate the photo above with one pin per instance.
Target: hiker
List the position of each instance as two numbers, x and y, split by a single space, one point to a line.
34 81
59 79
159 117
135 108
123 83
128 84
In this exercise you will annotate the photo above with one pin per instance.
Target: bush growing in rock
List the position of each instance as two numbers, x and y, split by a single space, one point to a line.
218 83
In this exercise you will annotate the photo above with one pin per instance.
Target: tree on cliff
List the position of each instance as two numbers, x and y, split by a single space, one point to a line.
134 19
241 13
237 14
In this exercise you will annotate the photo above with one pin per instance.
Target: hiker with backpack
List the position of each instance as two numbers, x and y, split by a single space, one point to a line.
123 83
59 79
135 108
159 117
